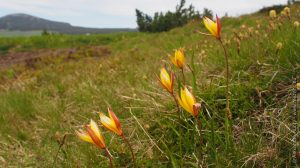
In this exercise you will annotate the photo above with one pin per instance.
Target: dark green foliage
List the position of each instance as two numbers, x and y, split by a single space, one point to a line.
207 13
163 22
278 8
45 32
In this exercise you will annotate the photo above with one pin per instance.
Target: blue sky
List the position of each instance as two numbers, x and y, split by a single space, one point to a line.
120 13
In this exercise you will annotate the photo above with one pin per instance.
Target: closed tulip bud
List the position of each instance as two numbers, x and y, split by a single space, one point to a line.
92 135
272 14
178 59
296 24
166 80
188 102
279 46
213 27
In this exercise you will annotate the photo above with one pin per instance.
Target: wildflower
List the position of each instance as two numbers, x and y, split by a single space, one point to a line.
243 26
92 135
166 80
286 11
213 27
279 46
179 59
188 102
296 24
272 14
111 123
298 86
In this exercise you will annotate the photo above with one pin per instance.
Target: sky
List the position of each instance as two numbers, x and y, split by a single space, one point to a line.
120 13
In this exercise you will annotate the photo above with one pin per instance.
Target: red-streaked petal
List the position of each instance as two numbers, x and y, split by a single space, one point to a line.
113 116
84 136
196 108
98 141
219 26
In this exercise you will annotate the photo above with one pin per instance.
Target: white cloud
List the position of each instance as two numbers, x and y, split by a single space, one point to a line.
116 13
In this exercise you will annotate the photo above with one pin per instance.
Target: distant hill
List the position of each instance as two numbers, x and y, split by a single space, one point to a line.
25 22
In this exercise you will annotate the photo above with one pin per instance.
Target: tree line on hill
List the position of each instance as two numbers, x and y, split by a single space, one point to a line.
165 21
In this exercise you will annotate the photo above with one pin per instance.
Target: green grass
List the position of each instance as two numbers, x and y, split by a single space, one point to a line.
39 105
15 33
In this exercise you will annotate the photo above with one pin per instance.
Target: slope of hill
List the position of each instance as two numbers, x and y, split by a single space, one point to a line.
24 22
46 99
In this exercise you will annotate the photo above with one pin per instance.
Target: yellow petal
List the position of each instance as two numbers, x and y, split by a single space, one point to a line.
96 130
211 26
165 79
108 123
174 61
179 56
185 104
84 136
189 98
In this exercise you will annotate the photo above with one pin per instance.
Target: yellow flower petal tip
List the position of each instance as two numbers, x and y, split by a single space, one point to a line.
188 102
179 58
213 27
92 135
166 80
111 123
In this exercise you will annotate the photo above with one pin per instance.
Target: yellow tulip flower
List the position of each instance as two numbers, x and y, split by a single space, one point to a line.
298 86
213 27
188 102
272 14
166 80
296 24
92 135
286 11
179 59
279 46
111 123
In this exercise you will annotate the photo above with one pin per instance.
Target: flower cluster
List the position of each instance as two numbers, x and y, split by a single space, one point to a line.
186 99
92 133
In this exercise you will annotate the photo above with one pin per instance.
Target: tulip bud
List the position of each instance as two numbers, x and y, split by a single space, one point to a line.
279 46
296 24
272 14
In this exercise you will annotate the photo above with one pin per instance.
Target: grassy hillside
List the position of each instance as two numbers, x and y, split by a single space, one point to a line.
42 101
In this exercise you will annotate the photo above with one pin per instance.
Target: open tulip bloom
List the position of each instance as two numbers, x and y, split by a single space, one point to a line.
94 136
213 27
188 102
113 124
